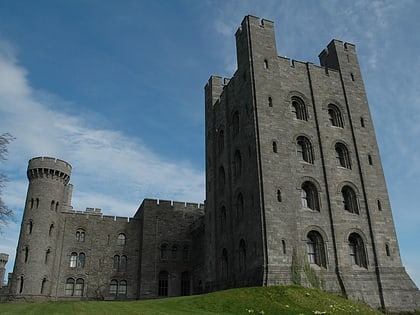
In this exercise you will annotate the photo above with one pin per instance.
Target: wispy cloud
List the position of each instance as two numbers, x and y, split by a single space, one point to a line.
115 170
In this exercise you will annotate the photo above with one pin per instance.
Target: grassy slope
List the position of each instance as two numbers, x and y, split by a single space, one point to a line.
262 300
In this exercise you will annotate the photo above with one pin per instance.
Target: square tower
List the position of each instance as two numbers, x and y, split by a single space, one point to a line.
295 187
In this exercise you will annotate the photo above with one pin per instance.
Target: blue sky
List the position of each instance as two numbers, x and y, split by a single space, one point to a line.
116 89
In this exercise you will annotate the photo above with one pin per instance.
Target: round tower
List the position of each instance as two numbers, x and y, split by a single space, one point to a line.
49 193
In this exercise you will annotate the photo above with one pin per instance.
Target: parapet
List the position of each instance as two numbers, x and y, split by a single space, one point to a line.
49 167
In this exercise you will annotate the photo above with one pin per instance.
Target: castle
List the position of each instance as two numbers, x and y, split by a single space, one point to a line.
295 193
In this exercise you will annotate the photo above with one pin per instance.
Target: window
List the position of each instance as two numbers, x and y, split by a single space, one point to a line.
362 122
113 287
80 235
370 159
334 116
221 140
349 199
26 249
283 244
240 206
379 205
185 253
30 226
164 251
309 196
77 260
52 205
242 256
51 229
73 260
32 203
237 164
78 290
304 150
37 203
315 249
274 146
235 123
185 283
81 260
388 253
121 239
270 101
265 64
122 288
342 156
116 262
224 265
47 255
69 289
299 109
163 283
56 206
357 250
278 195
44 281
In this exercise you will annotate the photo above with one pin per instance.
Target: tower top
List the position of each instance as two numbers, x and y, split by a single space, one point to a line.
48 166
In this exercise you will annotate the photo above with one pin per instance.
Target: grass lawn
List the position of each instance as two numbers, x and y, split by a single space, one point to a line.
286 300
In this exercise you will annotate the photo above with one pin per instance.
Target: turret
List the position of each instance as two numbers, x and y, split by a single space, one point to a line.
49 193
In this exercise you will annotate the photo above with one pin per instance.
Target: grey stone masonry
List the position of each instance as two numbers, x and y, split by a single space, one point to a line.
295 194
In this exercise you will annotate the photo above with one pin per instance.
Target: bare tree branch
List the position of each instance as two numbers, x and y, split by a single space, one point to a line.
6 213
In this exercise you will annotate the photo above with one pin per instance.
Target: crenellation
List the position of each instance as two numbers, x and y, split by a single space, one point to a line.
288 184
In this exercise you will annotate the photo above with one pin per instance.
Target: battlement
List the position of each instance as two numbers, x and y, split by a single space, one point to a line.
95 213
49 167
255 21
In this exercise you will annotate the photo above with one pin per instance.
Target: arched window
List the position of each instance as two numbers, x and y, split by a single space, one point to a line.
121 239
30 226
237 164
52 205
342 156
316 249
274 146
44 281
265 64
185 283
116 262
240 206
123 262
235 123
122 288
221 140
299 109
80 235
163 283
73 260
47 255
283 244
56 206
349 199
164 251
21 279
334 115
51 229
81 260
357 250
224 265
304 150
242 256
309 196
69 290
78 290
113 287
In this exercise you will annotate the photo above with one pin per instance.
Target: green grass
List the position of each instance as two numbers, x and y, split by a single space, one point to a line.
288 300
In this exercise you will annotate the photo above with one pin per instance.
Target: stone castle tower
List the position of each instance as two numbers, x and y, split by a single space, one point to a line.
294 184
295 193
49 193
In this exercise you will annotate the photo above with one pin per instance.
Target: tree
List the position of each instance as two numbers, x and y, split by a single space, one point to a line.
5 213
